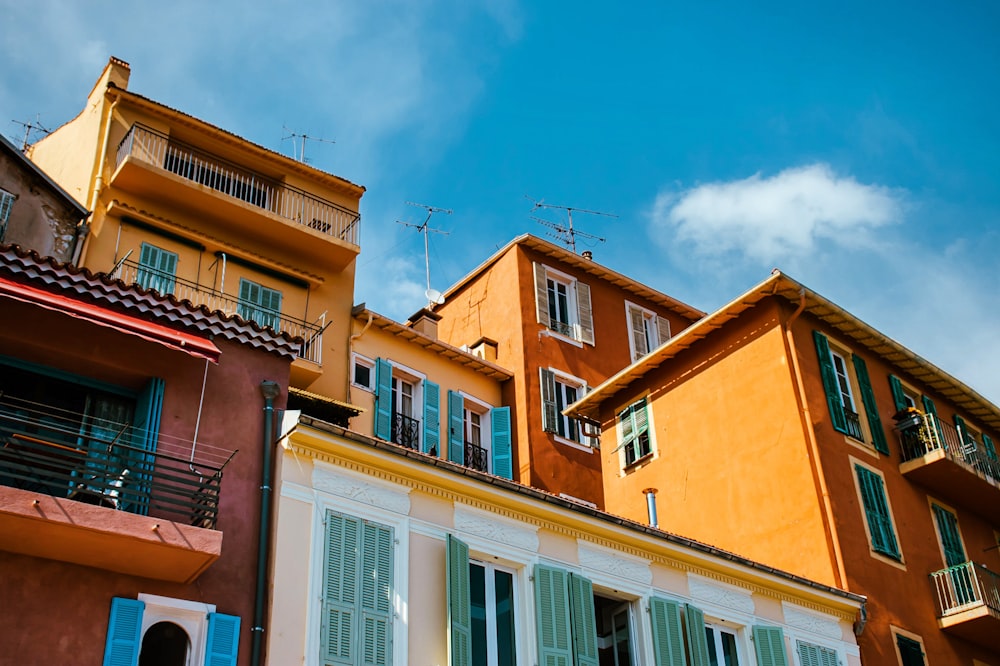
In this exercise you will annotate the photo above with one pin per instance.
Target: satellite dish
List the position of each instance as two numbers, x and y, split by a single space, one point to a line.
434 296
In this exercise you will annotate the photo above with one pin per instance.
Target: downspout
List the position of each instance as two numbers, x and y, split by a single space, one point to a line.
270 390
84 232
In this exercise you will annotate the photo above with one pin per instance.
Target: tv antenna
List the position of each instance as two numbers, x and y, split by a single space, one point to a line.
566 234
302 138
434 297
30 127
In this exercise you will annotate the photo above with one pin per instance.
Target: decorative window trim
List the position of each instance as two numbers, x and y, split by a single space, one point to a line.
192 616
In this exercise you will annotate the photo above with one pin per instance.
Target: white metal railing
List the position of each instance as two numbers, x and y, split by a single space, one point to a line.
966 586
926 433
253 188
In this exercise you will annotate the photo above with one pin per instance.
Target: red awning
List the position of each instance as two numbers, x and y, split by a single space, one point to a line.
164 335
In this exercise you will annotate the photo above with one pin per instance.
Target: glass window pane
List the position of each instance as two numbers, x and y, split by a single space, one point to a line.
477 584
505 618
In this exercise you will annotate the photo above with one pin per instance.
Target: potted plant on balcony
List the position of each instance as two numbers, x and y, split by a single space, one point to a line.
908 418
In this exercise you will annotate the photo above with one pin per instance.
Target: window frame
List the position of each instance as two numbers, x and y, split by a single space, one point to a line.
653 325
898 633
7 200
150 276
561 381
579 327
622 448
490 569
878 552
357 360
473 405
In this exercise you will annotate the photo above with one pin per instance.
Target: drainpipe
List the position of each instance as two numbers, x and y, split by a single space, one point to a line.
270 390
650 494
81 248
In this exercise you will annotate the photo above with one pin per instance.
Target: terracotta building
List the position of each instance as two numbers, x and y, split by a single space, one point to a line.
562 323
785 429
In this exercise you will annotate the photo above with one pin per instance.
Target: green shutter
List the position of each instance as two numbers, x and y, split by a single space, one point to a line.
697 640
877 512
816 655
584 621
157 268
931 409
833 398
951 542
769 644
456 428
376 594
909 651
640 412
145 435
965 437
585 313
432 418
223 643
503 463
383 399
871 408
340 590
552 616
121 648
991 450
550 414
542 295
459 603
668 641
898 397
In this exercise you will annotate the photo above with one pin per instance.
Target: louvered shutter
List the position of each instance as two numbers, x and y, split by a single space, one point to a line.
459 603
552 616
871 408
931 409
991 450
121 647
339 629
638 328
223 642
898 396
550 415
816 655
668 640
951 542
376 594
963 433
697 640
145 435
383 399
662 330
769 644
585 312
432 418
157 268
542 295
909 651
456 428
640 411
833 398
584 621
501 449
877 512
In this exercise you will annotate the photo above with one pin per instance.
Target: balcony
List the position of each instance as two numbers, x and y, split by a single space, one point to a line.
91 499
247 202
406 431
311 334
938 457
968 597
476 457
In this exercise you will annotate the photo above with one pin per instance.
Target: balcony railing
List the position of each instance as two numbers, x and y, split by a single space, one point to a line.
290 203
405 431
965 586
476 457
165 283
44 451
920 434
853 424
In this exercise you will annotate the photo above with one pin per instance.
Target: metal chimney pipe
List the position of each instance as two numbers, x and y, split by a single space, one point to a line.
650 494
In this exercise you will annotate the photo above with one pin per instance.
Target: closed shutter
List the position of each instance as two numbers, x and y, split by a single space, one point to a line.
910 652
542 295
585 312
338 625
662 330
459 603
951 542
816 655
157 268
383 399
145 435
871 409
668 641
376 594
877 512
963 433
223 644
121 647
898 396
550 414
833 397
697 640
501 449
552 616
931 409
456 428
637 324
769 644
432 418
584 621
991 450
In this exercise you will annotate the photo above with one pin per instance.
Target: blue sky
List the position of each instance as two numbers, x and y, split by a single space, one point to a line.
855 145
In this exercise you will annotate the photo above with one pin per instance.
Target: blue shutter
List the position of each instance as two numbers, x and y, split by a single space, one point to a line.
383 399
223 640
584 622
459 603
432 418
145 434
456 428
871 409
668 640
697 640
769 644
503 464
552 616
121 648
833 397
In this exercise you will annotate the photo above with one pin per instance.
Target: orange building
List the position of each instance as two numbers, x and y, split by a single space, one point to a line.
785 429
562 323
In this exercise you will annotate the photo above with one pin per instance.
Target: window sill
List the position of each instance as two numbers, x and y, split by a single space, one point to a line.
637 463
573 444
559 336
363 387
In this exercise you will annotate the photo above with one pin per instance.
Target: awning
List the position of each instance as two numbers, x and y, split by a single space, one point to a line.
147 330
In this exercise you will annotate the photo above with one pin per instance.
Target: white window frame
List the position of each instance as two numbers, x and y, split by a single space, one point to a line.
586 443
651 323
416 378
482 408
573 332
572 311
491 644
650 431
7 200
365 362
191 616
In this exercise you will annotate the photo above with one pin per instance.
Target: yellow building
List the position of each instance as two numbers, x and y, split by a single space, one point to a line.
185 208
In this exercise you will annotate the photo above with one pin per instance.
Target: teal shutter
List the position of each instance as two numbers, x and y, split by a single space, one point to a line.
877 512
121 648
816 655
769 644
145 435
871 409
910 652
157 269
259 303
552 616
584 621
898 397
383 399
991 450
697 640
963 433
833 398
951 542
376 594
503 464
456 428
668 640
432 418
340 590
931 409
223 640
550 414
459 603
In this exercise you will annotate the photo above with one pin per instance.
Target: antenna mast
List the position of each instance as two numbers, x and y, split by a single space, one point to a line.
302 150
28 128
433 298
567 234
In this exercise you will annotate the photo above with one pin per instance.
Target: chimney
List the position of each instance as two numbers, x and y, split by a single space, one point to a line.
426 322
588 255
485 348
650 494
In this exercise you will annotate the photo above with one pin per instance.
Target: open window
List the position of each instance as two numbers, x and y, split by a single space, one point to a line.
849 394
479 435
647 330
403 403
563 305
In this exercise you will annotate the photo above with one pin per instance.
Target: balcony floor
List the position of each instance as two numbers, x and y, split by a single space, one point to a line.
979 624
955 482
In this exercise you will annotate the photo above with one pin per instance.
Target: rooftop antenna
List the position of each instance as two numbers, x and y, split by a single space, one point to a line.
302 145
434 297
566 234
30 127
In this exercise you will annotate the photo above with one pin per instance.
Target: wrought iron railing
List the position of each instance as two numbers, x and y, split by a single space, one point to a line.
53 455
966 586
405 431
476 457
853 424
920 434
188 162
149 278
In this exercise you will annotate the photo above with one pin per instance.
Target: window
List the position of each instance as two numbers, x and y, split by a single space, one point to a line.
647 331
958 585
681 634
6 205
479 435
401 398
559 391
616 640
564 612
563 305
363 373
481 602
815 655
260 304
633 432
769 644
721 642
877 516
911 652
157 269
357 618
